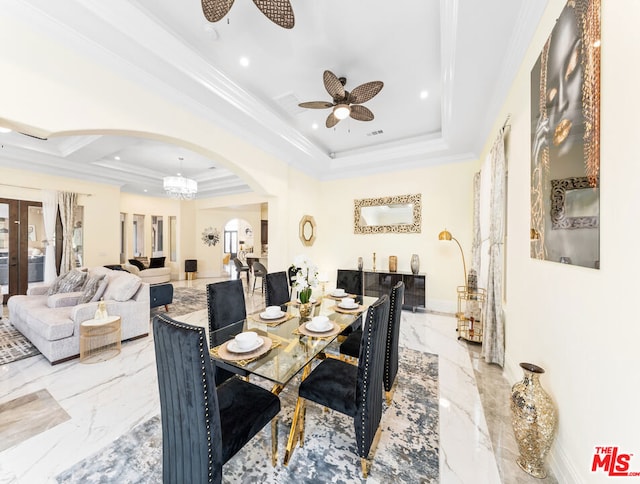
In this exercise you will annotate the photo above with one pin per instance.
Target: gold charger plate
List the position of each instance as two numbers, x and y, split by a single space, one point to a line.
223 353
336 298
272 322
302 329
357 310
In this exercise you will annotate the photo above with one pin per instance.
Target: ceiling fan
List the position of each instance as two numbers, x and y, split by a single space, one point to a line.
278 11
345 103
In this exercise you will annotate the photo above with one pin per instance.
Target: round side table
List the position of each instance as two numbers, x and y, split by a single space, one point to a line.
100 339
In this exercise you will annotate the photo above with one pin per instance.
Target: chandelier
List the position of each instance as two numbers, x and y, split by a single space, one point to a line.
180 187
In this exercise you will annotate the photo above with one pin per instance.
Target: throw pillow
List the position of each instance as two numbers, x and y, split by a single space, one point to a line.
90 288
137 263
69 282
55 285
156 262
123 287
131 268
73 281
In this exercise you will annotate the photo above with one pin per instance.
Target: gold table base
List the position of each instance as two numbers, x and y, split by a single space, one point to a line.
100 339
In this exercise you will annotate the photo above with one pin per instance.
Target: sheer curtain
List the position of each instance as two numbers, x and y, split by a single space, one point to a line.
68 202
493 343
49 212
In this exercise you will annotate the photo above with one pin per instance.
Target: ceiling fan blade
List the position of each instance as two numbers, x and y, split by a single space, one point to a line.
214 10
361 113
278 11
333 86
331 121
316 105
364 92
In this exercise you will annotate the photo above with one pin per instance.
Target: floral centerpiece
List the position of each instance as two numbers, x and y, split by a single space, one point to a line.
305 278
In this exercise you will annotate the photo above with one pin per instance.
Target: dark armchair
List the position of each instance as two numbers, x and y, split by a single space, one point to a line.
202 426
351 345
352 390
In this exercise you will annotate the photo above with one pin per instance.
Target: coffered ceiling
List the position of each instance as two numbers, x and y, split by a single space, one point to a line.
446 66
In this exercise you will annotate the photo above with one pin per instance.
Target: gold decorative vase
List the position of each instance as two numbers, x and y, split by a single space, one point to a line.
393 263
305 310
534 419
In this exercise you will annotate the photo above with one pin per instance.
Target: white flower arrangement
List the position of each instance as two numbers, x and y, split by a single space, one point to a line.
305 278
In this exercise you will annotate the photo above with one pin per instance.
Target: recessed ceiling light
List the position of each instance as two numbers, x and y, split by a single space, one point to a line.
244 61
424 94
314 125
117 158
145 190
4 130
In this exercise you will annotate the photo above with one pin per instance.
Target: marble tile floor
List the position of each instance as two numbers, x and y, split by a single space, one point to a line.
107 399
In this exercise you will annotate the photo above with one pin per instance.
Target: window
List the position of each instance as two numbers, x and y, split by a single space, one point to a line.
138 235
157 227
173 246
230 241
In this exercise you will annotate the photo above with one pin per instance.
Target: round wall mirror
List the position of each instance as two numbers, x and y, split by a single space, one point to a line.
307 230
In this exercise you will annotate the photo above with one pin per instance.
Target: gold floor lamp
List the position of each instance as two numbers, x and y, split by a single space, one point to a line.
446 235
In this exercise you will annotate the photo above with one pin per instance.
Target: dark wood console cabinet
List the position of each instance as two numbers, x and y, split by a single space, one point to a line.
378 283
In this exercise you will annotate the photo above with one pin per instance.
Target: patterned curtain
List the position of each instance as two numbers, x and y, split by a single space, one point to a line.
49 212
493 343
477 240
68 202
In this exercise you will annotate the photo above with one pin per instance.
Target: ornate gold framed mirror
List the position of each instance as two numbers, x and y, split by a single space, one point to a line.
398 214
307 230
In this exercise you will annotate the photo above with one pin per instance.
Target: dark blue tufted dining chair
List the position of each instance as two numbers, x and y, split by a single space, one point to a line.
226 305
353 390
277 290
202 426
351 345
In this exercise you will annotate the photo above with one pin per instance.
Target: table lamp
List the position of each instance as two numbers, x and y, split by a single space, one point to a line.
446 235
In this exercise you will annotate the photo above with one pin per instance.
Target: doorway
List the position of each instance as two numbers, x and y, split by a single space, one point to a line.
22 243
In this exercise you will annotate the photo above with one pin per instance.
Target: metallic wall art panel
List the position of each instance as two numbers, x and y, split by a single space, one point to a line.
400 214
565 140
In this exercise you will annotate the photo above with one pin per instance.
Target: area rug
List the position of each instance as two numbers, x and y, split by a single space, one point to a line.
407 452
185 300
13 345
28 415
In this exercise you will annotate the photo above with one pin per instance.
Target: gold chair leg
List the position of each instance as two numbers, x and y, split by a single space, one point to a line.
366 462
274 441
366 465
390 393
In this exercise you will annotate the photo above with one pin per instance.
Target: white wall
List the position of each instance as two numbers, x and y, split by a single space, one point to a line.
101 209
447 202
579 323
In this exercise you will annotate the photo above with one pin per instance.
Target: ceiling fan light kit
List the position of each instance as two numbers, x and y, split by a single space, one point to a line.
342 111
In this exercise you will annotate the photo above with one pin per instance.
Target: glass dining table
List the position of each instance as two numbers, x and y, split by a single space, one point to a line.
290 346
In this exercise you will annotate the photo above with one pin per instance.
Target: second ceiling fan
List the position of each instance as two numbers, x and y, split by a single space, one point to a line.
278 11
345 103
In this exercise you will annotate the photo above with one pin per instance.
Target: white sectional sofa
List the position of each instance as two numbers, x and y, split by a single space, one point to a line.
157 275
52 322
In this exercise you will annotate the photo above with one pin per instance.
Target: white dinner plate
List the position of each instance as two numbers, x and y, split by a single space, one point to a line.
264 315
233 346
313 329
339 295
342 306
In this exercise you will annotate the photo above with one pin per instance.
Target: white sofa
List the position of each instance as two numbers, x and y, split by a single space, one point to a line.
157 275
52 322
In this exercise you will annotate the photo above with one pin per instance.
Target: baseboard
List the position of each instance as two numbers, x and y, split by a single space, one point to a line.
442 306
563 469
